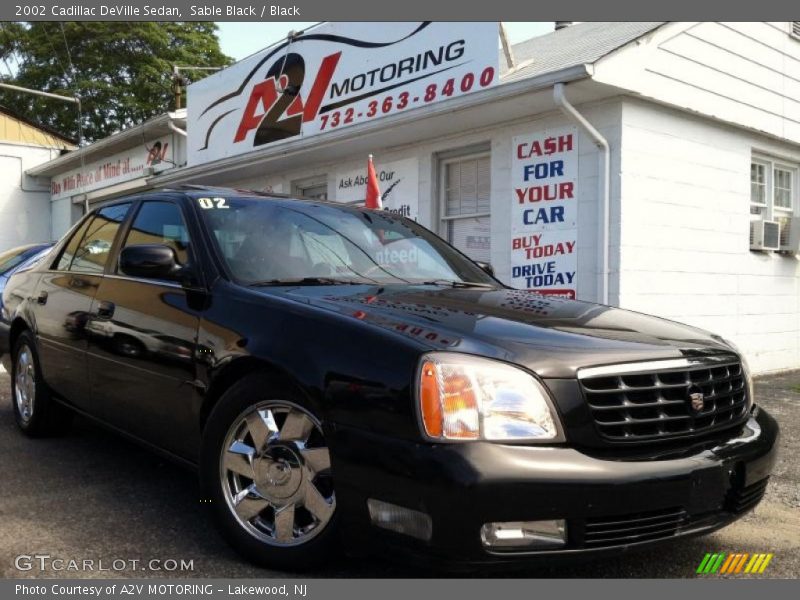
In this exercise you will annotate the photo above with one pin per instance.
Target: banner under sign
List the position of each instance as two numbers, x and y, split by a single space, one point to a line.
146 159
544 214
333 76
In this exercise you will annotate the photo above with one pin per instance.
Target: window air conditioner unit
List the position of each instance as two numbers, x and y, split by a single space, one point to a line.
790 238
765 235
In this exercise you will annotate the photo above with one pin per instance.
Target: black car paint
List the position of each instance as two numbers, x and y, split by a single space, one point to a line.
352 351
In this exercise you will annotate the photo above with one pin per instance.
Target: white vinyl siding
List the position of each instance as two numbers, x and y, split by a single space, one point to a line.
466 191
744 73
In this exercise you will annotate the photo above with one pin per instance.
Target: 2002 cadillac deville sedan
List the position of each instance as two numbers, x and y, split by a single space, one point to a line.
341 373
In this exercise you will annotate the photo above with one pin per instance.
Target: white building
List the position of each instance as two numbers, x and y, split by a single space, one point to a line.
701 122
120 164
24 200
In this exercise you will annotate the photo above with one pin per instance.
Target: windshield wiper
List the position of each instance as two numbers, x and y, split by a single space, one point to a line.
310 281
459 284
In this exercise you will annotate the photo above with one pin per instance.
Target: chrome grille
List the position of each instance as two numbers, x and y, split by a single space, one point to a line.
651 401
629 529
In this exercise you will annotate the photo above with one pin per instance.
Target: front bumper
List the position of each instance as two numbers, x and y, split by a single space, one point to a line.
610 505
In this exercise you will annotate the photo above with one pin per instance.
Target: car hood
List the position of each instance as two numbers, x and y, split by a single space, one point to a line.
551 336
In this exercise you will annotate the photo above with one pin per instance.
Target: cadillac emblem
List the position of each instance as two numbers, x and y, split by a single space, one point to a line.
696 401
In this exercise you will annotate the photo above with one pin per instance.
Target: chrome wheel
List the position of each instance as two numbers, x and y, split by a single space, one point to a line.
25 384
275 472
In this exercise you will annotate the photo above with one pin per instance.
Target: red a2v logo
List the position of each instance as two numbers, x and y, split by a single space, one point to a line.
275 108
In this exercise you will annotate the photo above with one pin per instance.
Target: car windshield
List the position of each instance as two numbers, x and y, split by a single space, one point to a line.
268 242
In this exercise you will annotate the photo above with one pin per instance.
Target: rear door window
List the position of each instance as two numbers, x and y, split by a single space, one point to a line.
92 253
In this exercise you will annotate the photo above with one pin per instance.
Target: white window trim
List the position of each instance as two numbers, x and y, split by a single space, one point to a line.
771 163
469 216
298 185
767 171
793 179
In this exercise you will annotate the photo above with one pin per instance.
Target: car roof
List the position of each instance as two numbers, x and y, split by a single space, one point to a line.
202 191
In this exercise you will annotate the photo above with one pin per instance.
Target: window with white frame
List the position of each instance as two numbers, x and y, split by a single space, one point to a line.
774 192
466 186
313 187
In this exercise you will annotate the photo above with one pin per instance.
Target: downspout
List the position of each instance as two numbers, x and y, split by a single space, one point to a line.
176 129
604 185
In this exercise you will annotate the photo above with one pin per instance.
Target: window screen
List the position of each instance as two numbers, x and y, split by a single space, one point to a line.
467 203
468 187
783 189
758 184
159 222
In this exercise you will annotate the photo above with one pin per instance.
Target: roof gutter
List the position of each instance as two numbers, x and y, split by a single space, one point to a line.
73 159
604 181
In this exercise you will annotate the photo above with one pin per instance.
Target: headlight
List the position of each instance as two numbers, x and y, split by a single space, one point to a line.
464 397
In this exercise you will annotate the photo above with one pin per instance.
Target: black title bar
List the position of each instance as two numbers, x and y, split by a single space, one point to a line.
407 10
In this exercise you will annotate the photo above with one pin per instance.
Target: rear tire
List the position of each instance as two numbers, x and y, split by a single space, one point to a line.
265 471
36 412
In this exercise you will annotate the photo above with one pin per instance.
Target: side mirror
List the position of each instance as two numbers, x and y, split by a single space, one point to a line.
486 267
149 261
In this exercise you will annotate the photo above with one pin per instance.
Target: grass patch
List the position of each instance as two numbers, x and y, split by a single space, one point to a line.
796 388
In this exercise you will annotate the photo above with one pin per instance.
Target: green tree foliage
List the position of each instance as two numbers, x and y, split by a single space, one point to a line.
122 71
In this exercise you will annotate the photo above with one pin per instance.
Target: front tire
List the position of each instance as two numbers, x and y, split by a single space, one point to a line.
265 467
35 411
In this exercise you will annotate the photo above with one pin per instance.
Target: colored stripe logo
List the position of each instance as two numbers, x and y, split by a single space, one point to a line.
720 563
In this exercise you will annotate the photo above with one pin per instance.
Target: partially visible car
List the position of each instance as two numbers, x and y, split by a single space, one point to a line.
17 259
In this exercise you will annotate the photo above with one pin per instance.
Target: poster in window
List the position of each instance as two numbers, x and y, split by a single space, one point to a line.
544 213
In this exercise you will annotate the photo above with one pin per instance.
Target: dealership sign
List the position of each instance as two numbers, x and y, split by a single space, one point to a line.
156 154
544 213
398 182
334 76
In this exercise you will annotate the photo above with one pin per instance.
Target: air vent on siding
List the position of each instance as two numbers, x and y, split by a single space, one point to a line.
796 28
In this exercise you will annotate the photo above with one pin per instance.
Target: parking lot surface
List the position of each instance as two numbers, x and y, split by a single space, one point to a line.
94 496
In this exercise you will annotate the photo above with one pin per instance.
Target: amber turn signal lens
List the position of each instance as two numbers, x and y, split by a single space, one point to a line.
430 400
459 401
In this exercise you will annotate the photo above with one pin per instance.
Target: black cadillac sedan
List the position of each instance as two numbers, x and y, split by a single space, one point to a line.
342 375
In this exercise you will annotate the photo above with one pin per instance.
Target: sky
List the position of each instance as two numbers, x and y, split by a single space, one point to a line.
240 40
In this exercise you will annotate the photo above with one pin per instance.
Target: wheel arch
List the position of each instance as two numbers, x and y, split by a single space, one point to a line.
18 325
237 370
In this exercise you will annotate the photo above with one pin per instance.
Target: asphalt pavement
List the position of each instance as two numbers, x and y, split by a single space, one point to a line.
92 496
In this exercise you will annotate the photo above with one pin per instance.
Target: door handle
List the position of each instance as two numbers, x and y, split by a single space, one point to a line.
105 310
42 299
